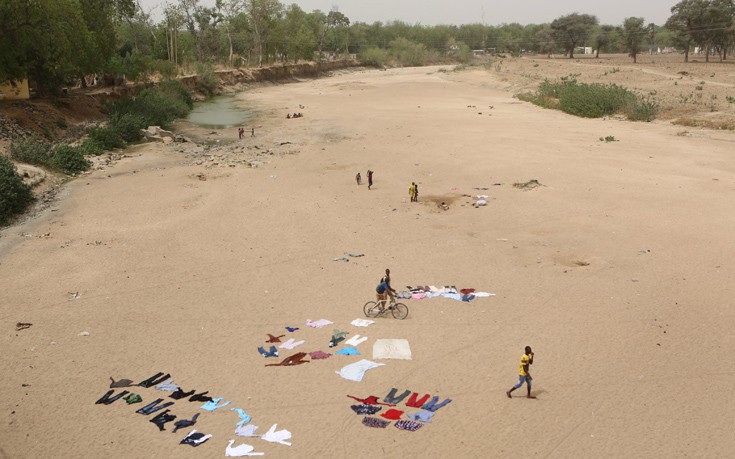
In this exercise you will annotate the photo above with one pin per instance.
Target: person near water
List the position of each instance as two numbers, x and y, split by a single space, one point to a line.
370 178
524 374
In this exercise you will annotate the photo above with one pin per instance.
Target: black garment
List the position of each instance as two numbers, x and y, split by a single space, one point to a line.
105 399
162 418
181 423
120 383
392 399
153 407
152 381
203 397
189 439
335 341
366 409
177 394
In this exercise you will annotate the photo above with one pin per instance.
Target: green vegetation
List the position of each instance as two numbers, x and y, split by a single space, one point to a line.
591 100
14 194
62 157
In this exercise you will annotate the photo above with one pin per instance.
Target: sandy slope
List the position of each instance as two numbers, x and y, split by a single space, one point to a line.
618 272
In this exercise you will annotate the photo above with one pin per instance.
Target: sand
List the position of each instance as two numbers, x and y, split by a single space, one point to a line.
618 271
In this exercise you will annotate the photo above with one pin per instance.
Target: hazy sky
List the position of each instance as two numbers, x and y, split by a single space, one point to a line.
432 12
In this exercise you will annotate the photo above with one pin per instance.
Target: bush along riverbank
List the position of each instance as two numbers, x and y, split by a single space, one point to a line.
157 106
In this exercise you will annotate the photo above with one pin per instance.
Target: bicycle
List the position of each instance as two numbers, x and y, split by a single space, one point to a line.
377 308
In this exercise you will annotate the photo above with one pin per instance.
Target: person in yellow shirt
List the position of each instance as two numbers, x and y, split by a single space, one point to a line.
412 190
523 373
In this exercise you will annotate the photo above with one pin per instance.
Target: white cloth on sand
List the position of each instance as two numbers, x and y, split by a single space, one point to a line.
362 322
319 323
277 437
247 430
355 371
392 349
355 340
291 343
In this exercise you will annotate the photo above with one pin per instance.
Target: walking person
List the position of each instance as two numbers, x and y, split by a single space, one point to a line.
358 179
523 373
370 178
415 192
252 132
412 190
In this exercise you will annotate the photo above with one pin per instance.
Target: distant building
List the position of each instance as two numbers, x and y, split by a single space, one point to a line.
15 90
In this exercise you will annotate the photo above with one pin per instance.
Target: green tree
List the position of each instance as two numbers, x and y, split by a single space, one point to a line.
603 38
689 22
263 14
572 30
545 43
634 32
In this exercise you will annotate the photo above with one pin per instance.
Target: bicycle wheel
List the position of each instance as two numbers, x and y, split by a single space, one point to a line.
400 311
371 309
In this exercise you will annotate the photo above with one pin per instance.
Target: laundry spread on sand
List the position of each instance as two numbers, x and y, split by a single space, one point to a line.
356 371
248 431
451 292
273 352
365 409
240 450
213 404
348 351
392 398
375 422
391 349
291 343
408 425
362 322
195 438
319 323
422 416
274 339
244 417
392 414
417 420
275 436
356 340
168 386
296 359
319 355
371 400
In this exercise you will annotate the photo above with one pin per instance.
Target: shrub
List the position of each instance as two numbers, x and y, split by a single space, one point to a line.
643 110
206 79
91 147
128 126
69 159
152 107
14 194
375 57
107 138
31 150
407 53
178 89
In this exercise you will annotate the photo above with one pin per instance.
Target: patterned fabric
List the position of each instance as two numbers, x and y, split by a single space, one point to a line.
375 422
365 409
409 425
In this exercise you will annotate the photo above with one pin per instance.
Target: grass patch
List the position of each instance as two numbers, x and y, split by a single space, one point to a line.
14 194
591 100
725 125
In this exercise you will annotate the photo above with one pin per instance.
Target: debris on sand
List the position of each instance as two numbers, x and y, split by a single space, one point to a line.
529 185
22 326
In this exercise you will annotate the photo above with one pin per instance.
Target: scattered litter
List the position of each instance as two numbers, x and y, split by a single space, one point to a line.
644 250
84 333
355 255
341 259
480 202
73 295
22 326
529 185
392 349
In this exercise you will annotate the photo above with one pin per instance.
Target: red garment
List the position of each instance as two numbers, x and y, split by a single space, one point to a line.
393 415
372 400
319 355
465 291
413 403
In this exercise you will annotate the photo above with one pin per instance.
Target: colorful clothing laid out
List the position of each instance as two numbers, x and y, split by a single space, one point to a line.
365 409
240 450
422 416
244 417
355 340
212 404
392 414
195 438
158 378
296 359
168 386
362 322
162 418
106 399
120 383
417 403
319 323
319 355
291 343
408 425
292 329
133 398
356 371
182 423
348 351
247 431
371 400
432 405
375 422
274 339
279 436
153 407
391 397
272 352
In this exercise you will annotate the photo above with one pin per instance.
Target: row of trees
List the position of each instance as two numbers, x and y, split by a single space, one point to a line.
60 41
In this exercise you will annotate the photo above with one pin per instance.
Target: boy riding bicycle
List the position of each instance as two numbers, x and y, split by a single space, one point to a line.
384 290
